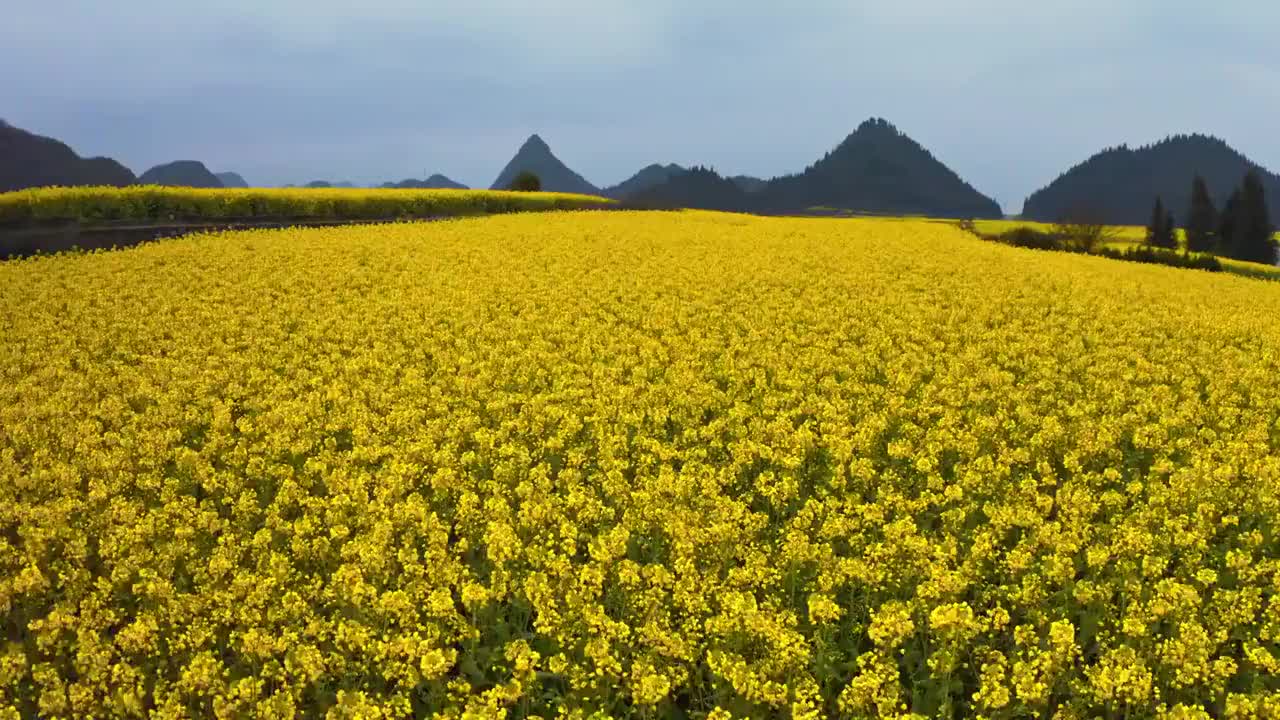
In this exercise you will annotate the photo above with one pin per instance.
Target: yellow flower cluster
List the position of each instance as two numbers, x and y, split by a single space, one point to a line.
591 465
146 203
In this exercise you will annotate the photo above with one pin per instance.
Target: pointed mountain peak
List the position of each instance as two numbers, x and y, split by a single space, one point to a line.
535 142
535 156
873 132
876 126
877 168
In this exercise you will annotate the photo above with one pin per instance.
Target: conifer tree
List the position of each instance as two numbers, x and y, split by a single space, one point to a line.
1253 232
1202 218
1160 230
1171 231
1226 241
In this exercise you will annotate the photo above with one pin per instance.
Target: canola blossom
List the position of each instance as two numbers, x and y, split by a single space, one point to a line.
154 203
650 465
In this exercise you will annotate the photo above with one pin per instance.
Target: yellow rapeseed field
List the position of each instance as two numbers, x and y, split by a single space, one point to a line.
154 203
1121 237
668 465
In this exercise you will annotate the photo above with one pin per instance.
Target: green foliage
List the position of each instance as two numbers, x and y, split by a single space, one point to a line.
1026 237
1247 229
526 182
1164 256
1084 230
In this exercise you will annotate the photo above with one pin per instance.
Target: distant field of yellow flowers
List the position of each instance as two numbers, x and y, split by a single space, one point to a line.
1126 236
1119 233
149 203
668 465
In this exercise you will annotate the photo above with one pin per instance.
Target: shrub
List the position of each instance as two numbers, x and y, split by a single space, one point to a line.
1161 256
1084 230
526 182
1026 237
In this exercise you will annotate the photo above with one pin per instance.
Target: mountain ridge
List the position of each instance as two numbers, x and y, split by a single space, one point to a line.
181 173
875 169
231 180
879 169
435 182
535 156
1119 184
31 160
645 178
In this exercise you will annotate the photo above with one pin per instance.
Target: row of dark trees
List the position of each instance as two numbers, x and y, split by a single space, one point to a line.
1242 230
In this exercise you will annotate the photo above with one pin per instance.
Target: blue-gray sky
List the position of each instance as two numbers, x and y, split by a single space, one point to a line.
1007 92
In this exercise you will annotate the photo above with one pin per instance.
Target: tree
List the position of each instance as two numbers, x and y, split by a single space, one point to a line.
1084 229
526 182
1202 218
1160 229
1253 232
1227 225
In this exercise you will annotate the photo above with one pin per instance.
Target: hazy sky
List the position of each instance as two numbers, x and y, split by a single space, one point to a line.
1007 92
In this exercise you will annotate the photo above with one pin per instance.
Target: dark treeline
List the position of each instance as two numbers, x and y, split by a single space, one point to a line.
1242 230
1093 238
1117 185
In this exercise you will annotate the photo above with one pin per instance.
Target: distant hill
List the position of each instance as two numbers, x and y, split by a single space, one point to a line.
1119 184
748 183
435 182
698 187
315 184
182 173
880 170
646 178
30 160
536 157
231 180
